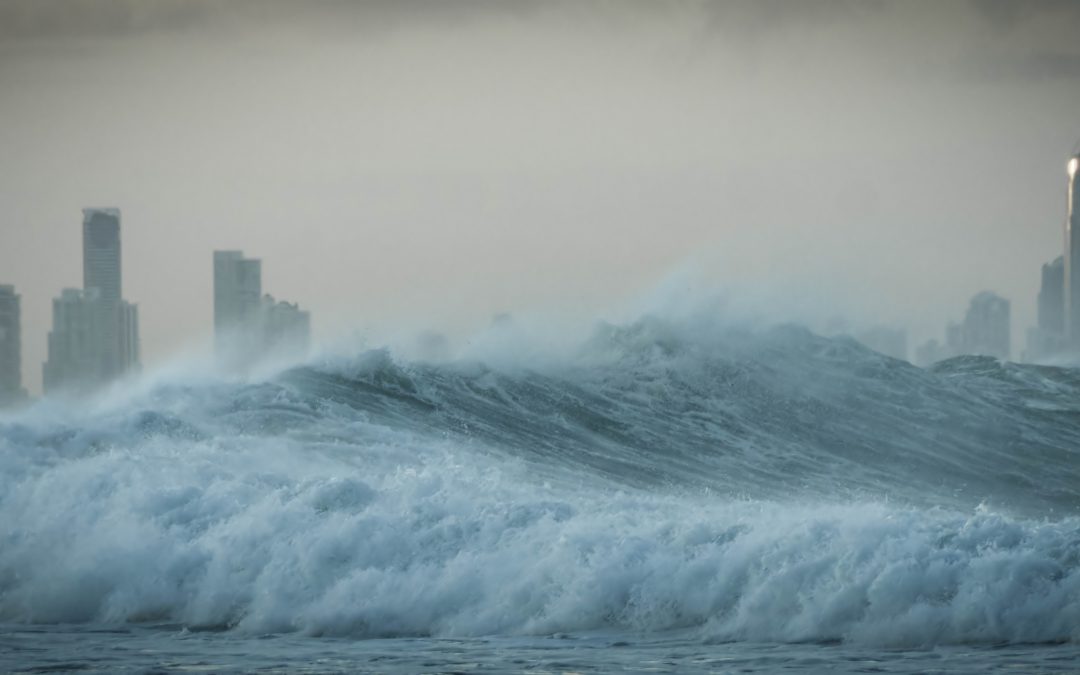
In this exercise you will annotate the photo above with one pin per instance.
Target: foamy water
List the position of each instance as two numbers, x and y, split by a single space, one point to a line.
724 490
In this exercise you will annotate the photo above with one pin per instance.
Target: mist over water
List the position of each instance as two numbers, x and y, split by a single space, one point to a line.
667 474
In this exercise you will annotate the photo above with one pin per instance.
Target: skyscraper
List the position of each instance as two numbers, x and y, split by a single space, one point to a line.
10 346
102 271
248 325
101 253
76 343
1051 297
237 301
95 335
1072 256
1047 338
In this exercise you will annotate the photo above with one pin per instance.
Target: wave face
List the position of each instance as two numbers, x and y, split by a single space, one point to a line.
770 485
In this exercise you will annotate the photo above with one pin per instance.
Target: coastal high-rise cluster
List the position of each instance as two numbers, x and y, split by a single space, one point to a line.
1056 335
95 332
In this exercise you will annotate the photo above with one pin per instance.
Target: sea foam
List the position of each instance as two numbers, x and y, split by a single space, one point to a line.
394 499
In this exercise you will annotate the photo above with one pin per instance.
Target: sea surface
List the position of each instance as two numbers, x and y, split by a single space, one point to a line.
668 496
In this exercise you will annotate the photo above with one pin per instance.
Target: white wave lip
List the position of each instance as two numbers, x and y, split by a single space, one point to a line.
267 508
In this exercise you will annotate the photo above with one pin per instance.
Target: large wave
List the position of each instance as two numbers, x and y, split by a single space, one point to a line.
757 485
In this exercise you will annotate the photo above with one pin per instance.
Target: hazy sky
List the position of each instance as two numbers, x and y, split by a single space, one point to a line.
435 162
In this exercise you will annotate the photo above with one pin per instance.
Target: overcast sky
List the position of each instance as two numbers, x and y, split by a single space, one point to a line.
436 162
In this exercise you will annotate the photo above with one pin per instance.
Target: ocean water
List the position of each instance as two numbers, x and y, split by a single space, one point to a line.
664 498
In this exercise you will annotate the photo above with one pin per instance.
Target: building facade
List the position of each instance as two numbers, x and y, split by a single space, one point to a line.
11 389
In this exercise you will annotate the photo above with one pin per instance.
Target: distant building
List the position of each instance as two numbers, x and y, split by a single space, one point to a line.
129 347
249 326
886 340
237 303
1052 297
286 328
11 389
95 333
101 253
985 331
986 328
75 344
1072 256
102 271
1048 336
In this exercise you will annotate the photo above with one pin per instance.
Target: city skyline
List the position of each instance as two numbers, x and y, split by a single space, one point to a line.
843 162
94 337
248 324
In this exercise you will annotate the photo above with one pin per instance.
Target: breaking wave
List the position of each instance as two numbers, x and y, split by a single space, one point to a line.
745 485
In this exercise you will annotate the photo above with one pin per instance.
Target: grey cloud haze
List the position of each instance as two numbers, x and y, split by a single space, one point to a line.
438 161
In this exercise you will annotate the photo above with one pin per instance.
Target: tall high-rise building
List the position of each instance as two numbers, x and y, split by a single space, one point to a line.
101 253
1072 255
237 302
1047 337
76 343
1051 310
102 270
10 346
249 326
95 335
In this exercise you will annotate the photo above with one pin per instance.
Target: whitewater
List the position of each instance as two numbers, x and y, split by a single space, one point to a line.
662 497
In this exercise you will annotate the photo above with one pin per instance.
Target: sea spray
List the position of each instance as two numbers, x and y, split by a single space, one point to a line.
771 486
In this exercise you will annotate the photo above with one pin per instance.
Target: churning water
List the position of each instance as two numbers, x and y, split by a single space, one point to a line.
666 498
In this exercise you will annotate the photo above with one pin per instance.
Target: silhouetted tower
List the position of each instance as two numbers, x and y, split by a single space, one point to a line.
10 346
1051 315
1072 255
101 253
102 271
237 302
